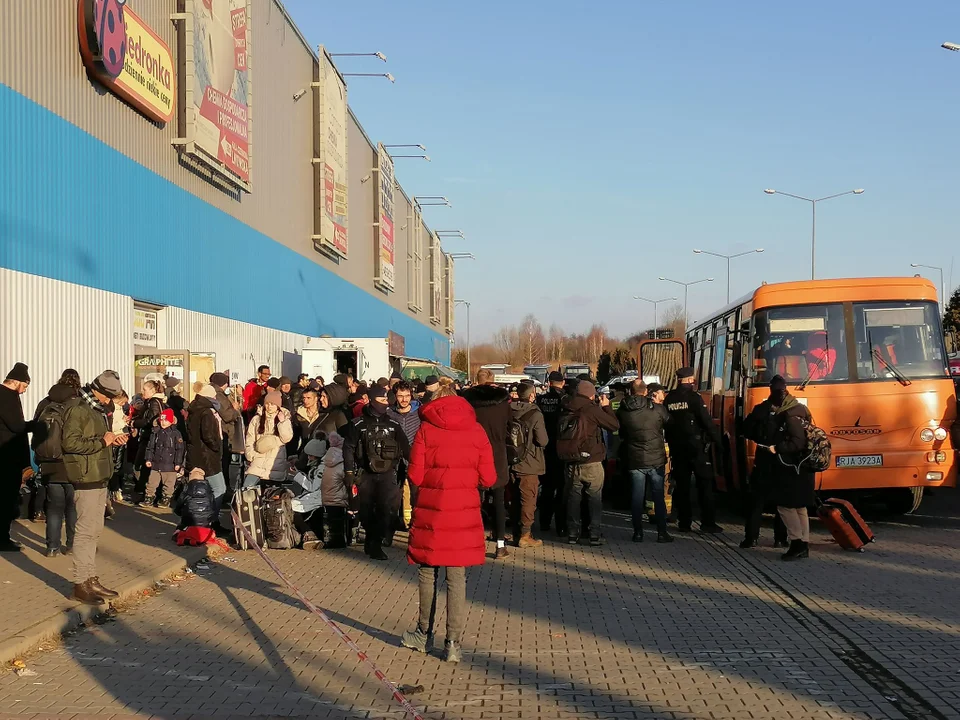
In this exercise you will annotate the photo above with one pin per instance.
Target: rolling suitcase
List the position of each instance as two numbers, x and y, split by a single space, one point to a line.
248 513
845 524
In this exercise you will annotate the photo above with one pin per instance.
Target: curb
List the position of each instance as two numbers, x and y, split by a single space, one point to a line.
72 618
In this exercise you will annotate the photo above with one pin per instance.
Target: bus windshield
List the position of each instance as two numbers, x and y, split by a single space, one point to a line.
809 343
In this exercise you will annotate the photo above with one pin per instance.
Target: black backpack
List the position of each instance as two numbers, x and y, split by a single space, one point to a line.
571 438
381 451
519 442
48 436
196 504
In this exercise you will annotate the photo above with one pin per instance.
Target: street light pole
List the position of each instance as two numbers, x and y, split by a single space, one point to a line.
813 202
655 303
467 303
943 297
686 287
728 258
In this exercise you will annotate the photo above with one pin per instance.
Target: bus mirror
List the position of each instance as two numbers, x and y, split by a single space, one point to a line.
736 359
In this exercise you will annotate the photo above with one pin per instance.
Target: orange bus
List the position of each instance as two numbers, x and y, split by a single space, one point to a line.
866 356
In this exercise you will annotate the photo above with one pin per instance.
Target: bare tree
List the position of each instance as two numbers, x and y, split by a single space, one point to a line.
673 320
531 340
507 342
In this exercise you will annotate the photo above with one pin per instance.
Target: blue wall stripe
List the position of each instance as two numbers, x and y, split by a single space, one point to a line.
72 208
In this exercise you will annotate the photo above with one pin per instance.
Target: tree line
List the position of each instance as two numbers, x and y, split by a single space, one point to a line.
528 343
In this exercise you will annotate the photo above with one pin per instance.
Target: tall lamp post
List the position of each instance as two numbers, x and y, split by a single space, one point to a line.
813 202
943 297
655 303
467 303
686 287
728 258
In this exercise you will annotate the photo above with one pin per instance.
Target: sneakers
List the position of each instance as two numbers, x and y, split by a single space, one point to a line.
746 544
454 653
798 550
527 540
573 540
596 541
664 537
310 541
53 552
417 640
638 536
501 553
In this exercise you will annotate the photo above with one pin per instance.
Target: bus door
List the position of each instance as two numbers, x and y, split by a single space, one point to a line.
659 360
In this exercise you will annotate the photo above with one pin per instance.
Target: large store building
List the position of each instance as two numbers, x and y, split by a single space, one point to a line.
183 185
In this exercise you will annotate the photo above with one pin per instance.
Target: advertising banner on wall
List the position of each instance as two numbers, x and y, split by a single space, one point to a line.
218 92
128 57
436 280
332 159
384 255
144 327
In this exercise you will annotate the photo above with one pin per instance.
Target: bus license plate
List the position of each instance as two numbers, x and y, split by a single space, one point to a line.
857 461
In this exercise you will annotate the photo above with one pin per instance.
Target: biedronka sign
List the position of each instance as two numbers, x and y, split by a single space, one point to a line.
127 56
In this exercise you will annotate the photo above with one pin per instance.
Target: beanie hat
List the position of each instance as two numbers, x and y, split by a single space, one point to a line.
284 380
273 398
171 381
555 376
315 448
376 392
273 382
586 389
168 416
219 379
340 379
107 383
431 380
19 373
207 391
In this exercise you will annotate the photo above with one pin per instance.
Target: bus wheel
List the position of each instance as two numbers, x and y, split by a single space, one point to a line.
904 501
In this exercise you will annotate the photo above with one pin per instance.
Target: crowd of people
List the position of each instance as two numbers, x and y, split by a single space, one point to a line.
432 457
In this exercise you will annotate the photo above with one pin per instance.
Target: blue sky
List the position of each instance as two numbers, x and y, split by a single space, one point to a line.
589 147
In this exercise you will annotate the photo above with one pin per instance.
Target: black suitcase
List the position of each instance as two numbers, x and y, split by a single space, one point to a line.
248 514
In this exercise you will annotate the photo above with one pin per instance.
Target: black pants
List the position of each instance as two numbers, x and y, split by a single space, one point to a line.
378 497
702 471
9 504
754 501
552 502
499 528
60 508
225 463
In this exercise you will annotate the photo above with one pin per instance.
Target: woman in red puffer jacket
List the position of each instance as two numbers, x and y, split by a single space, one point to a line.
450 461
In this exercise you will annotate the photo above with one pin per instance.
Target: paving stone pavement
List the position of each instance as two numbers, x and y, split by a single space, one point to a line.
696 629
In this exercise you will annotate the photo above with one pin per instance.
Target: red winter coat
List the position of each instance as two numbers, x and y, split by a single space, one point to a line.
451 458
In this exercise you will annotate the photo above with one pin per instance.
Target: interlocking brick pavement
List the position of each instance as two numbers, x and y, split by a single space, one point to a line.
696 629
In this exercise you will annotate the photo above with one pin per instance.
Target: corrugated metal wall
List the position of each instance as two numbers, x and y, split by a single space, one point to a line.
52 325
240 347
51 73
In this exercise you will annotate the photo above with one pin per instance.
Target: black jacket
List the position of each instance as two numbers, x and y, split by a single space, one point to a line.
641 432
204 437
166 449
14 444
690 427
760 426
145 421
792 484
492 405
354 436
594 419
549 404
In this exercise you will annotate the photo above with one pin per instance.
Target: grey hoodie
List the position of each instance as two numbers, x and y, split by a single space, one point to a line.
533 463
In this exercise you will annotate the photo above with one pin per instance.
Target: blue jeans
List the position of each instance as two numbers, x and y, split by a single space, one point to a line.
638 479
218 485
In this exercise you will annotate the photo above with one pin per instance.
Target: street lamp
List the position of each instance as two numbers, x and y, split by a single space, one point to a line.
467 303
943 297
461 256
813 202
655 303
379 55
422 157
450 233
686 286
419 147
728 258
388 76
443 201
951 46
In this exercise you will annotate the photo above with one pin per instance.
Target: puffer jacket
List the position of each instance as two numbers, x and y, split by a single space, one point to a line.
450 459
492 406
325 482
641 432
533 462
792 483
144 423
88 463
204 437
166 450
269 462
409 421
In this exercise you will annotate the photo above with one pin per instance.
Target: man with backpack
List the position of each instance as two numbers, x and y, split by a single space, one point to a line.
580 444
526 439
48 451
373 447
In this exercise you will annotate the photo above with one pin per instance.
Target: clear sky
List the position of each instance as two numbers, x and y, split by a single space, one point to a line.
589 147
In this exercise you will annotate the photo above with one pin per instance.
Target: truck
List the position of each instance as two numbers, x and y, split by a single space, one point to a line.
537 372
572 371
365 358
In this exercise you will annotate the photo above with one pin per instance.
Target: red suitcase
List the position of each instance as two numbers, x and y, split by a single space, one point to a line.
845 524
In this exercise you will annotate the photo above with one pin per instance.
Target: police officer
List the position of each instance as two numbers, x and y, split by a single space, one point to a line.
689 431
552 501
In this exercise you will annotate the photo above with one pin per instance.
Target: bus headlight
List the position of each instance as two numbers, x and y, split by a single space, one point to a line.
940 433
927 435
934 476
